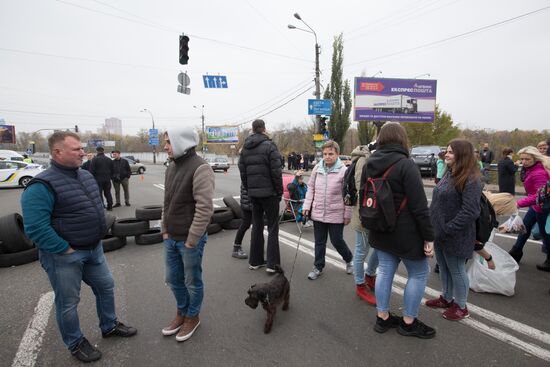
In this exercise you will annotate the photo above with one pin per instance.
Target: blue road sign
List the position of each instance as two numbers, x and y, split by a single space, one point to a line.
94 143
214 81
319 107
153 137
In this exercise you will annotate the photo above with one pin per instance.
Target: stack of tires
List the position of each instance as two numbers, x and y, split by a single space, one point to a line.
229 217
15 247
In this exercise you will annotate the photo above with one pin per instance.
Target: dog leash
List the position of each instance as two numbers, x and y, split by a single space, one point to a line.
296 255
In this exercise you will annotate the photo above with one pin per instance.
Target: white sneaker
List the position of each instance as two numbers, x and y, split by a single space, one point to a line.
308 224
314 274
349 268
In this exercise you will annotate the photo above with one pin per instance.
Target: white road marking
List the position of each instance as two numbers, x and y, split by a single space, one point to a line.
32 339
307 247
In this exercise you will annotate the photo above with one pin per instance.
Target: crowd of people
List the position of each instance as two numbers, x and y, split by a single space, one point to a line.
64 215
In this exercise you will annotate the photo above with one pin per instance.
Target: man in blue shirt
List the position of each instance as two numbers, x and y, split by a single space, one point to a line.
63 214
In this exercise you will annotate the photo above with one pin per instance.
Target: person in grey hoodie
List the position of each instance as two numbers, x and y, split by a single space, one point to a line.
188 194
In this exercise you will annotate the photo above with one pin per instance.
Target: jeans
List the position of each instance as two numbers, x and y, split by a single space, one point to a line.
125 188
105 189
66 273
269 206
321 231
245 224
184 274
454 279
529 220
417 271
361 252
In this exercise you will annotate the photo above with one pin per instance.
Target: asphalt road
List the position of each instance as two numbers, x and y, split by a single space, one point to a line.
327 325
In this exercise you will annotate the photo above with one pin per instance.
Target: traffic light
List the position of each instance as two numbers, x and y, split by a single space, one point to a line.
75 128
184 49
323 125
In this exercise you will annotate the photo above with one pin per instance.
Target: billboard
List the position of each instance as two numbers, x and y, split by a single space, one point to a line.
222 134
403 100
7 134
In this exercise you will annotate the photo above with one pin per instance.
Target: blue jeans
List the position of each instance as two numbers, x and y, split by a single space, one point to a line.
454 279
66 273
417 271
321 231
529 220
361 252
184 274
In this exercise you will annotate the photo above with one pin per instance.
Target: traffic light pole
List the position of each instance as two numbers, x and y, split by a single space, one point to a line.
317 84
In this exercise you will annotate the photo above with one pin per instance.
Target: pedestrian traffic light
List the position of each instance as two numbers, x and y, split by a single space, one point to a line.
75 128
184 49
323 125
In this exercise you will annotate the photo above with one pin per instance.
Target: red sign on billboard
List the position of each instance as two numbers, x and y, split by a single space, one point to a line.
371 87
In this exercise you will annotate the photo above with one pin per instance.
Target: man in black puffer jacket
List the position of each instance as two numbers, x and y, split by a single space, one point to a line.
102 169
261 176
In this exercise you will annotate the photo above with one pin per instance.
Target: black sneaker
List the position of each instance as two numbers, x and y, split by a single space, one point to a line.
382 325
417 328
120 330
116 205
85 352
128 204
238 253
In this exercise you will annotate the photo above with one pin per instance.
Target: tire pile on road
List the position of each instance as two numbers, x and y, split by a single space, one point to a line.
15 247
229 217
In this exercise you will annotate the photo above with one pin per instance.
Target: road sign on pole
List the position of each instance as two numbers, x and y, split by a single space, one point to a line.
153 137
319 107
214 81
184 81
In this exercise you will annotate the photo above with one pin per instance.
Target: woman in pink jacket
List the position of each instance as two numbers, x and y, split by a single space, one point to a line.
325 205
537 169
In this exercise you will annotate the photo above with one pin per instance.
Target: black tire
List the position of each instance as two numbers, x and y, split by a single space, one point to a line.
109 221
213 228
12 234
111 243
129 227
222 215
19 258
140 170
149 212
150 238
232 224
230 202
24 181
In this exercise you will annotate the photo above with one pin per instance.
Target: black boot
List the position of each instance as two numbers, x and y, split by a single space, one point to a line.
516 254
545 266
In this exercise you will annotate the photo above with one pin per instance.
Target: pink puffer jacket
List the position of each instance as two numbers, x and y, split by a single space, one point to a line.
535 177
324 194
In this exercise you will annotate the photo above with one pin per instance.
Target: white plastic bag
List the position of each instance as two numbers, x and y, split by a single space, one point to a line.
502 280
514 224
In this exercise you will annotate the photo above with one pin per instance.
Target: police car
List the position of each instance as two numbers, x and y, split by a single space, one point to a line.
14 173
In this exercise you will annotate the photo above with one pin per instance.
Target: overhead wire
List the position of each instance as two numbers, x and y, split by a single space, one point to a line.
464 34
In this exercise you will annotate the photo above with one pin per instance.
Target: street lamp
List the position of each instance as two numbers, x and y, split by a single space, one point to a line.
422 75
379 72
317 71
154 146
203 135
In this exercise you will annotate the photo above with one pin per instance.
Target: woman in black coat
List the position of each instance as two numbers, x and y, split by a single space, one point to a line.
507 172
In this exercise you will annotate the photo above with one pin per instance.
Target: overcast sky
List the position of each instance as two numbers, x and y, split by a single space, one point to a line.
66 62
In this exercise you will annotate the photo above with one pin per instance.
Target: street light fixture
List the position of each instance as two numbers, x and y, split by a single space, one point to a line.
154 146
203 135
317 70
422 75
379 72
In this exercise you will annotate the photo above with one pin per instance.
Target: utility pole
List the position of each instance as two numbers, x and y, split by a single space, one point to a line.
154 146
203 131
317 84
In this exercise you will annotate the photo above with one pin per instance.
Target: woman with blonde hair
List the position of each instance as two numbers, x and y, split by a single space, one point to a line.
537 173
454 210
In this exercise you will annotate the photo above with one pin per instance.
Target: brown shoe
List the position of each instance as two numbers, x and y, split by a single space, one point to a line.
174 326
188 328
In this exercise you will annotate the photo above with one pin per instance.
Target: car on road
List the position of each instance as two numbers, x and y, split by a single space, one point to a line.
136 167
425 158
218 163
11 155
346 159
131 157
14 173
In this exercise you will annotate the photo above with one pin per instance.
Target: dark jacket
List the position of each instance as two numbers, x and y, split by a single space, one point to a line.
413 225
454 216
260 167
78 216
121 170
507 176
102 168
487 156
86 165
245 200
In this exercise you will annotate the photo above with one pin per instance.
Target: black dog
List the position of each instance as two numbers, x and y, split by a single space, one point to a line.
270 295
